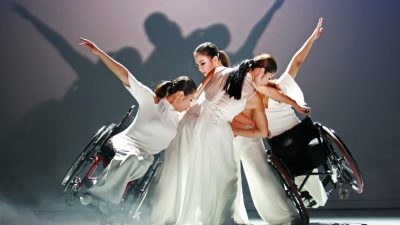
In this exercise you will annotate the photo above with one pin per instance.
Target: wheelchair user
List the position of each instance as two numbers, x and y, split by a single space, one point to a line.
154 126
267 194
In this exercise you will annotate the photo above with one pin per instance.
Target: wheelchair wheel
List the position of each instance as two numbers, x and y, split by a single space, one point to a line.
81 157
290 187
84 164
72 189
341 158
139 191
128 213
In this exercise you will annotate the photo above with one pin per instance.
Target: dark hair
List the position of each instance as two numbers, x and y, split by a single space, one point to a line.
210 49
224 58
182 83
234 83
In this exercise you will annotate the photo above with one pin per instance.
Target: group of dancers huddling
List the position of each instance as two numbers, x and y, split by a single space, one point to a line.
207 133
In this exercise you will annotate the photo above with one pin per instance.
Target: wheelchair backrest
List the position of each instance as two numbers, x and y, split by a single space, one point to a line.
292 146
127 120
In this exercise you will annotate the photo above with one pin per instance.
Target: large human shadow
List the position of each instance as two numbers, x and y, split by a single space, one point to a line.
173 53
41 147
219 34
52 134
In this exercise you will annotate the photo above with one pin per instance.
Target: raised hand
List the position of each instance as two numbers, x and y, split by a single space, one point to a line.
20 9
318 30
90 45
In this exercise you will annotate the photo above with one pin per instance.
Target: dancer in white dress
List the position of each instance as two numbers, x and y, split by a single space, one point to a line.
199 179
166 195
151 131
265 189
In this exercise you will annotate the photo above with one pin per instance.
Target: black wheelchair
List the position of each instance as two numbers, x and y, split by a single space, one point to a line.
93 159
309 146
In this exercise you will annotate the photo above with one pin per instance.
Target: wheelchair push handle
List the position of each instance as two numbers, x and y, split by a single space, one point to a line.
127 115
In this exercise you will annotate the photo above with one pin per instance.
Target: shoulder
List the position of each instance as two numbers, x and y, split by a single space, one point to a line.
248 87
219 69
256 101
222 71
285 77
138 90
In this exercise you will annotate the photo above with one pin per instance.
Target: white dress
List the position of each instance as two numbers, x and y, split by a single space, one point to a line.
268 196
153 128
204 177
166 194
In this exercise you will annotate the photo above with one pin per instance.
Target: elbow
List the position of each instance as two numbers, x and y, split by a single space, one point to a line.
297 63
263 133
124 77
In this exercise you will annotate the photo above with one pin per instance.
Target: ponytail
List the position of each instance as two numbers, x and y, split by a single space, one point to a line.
224 58
211 50
163 89
234 83
182 83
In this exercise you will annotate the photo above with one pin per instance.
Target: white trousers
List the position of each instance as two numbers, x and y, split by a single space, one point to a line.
314 187
126 166
268 196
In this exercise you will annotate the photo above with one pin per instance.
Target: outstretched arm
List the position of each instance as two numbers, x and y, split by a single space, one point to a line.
302 53
275 94
118 69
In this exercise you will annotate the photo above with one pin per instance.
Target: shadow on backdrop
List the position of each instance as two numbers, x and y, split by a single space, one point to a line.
42 146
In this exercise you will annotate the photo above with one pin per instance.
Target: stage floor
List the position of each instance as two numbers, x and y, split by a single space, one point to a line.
71 216
353 217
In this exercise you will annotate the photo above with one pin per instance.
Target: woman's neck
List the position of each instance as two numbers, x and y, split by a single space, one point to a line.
204 83
208 77
252 75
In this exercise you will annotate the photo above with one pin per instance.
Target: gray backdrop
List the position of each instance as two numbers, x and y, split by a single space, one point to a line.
55 95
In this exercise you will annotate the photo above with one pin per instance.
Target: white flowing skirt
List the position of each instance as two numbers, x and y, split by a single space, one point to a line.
212 176
167 193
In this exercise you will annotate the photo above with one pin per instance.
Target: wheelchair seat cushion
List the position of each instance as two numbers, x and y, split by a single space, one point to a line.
292 147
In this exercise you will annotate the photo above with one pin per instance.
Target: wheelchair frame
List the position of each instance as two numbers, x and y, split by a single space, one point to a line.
85 165
338 158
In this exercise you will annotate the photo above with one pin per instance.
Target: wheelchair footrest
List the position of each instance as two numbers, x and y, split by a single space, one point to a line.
308 200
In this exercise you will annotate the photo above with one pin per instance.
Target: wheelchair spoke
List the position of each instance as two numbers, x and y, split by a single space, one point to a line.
289 186
343 160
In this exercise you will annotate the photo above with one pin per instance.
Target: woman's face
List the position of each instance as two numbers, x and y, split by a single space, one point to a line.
262 78
204 63
183 101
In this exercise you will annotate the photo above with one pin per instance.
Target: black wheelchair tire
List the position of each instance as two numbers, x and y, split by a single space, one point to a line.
81 157
71 198
292 191
350 172
91 149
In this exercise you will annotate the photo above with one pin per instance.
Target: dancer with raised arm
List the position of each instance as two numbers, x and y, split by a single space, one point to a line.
153 129
268 195
200 166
